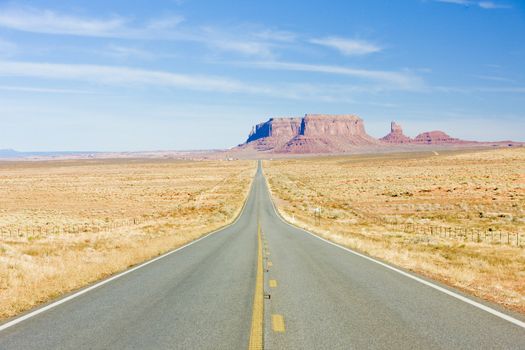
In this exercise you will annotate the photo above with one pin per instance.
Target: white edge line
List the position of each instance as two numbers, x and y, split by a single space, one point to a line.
101 283
420 280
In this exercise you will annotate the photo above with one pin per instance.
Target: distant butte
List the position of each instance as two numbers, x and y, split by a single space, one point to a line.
313 133
341 133
396 135
435 137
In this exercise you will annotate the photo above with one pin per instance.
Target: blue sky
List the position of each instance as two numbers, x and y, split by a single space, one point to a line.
194 74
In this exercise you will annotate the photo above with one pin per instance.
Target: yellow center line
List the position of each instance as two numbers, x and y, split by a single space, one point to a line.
272 283
256 333
278 323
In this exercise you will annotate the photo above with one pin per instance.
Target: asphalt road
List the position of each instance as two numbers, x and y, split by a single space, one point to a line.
321 297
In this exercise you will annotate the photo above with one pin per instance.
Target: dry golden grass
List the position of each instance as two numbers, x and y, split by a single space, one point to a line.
173 202
359 194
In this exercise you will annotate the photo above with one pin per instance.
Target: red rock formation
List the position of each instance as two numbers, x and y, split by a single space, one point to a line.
436 137
277 128
314 133
273 133
396 135
322 133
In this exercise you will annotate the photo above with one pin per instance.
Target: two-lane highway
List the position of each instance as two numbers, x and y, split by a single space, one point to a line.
321 297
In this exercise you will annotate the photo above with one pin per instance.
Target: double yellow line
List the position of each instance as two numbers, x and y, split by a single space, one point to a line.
257 329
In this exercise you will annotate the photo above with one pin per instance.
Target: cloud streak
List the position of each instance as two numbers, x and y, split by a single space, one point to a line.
119 76
130 77
390 79
348 47
244 40
29 19
31 89
487 5
33 20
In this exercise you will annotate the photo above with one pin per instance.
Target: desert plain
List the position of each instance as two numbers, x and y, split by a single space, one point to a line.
457 217
65 224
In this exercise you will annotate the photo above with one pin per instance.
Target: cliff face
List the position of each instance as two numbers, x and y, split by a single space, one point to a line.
276 127
273 134
322 125
314 133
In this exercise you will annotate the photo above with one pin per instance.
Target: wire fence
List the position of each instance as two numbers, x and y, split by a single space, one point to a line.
10 233
464 234
457 233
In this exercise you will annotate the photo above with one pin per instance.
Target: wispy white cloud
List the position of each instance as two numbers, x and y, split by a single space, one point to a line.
276 35
165 23
501 89
394 79
457 2
242 47
124 52
487 5
129 77
494 78
45 21
348 47
119 75
478 89
220 40
32 89
246 39
491 5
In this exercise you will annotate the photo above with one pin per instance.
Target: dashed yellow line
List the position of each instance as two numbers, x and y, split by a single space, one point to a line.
256 333
278 323
272 283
